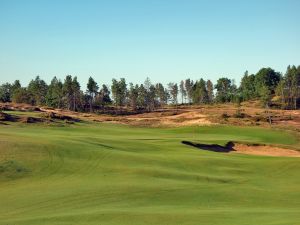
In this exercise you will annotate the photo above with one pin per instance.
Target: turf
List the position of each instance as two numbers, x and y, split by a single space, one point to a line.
91 174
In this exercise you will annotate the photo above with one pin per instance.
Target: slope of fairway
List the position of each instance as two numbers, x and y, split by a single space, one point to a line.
91 174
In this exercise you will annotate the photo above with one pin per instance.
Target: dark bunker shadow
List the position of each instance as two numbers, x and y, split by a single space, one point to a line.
212 147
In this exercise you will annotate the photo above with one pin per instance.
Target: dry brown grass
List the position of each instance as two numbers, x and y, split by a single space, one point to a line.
248 114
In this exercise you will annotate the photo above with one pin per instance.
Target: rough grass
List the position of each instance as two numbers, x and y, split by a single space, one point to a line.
91 174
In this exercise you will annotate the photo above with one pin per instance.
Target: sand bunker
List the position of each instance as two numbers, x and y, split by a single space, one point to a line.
251 149
265 150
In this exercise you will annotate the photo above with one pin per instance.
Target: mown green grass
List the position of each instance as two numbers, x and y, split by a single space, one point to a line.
92 174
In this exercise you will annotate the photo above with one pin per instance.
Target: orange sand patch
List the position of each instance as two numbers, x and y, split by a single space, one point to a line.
265 150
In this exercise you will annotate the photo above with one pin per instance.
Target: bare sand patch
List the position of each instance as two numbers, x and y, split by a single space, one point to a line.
264 150
250 149
185 119
249 114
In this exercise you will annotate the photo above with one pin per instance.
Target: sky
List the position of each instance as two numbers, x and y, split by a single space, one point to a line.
166 40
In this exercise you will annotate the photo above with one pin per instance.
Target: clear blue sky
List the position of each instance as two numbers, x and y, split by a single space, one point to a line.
167 40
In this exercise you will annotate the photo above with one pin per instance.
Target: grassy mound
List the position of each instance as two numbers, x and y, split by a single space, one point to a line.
52 115
6 117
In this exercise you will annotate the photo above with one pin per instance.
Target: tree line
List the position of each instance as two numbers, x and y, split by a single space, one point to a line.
270 87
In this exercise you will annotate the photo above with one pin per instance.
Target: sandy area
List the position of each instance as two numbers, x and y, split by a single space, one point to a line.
169 116
145 119
265 150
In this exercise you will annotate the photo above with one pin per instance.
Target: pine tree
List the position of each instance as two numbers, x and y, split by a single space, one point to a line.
210 91
5 92
173 89
37 89
119 91
54 94
75 93
133 95
189 89
200 95
182 91
92 89
141 100
161 94
104 96
68 92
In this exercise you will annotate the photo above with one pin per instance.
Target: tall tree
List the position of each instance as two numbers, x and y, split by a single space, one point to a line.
223 87
298 86
265 96
189 89
141 100
247 87
114 90
147 85
210 91
37 89
55 93
266 78
76 93
92 89
295 83
182 91
161 94
133 95
281 91
68 91
200 94
103 98
22 95
5 92
119 91
150 95
15 86
173 89
290 90
234 94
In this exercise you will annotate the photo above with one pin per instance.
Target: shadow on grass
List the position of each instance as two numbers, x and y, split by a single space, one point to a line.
212 147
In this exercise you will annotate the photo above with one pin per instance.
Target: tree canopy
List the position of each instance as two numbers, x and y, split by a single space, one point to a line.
265 85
